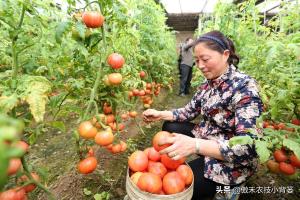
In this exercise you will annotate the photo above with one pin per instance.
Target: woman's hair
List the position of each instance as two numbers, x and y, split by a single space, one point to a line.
217 41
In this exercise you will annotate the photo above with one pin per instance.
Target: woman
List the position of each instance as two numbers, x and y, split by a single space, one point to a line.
229 104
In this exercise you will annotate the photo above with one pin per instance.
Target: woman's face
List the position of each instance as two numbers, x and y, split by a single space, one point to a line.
211 63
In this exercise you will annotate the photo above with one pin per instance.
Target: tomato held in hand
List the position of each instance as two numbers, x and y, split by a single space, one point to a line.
170 163
158 138
92 19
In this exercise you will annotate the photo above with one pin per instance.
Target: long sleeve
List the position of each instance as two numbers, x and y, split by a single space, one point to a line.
248 107
190 111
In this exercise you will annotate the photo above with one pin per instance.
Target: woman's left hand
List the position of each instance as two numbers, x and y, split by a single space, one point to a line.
182 146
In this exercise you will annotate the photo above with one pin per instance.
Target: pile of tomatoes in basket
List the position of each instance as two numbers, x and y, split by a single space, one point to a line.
156 173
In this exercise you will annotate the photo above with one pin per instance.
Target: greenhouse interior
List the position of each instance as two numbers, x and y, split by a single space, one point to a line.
149 99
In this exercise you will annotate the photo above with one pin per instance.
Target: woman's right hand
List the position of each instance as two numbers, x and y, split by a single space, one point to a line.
151 115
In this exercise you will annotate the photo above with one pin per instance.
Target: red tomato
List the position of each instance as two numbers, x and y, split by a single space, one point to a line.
266 124
123 146
273 166
153 154
30 187
23 145
296 122
87 165
146 151
281 126
295 161
92 19
110 118
158 138
142 74
115 60
87 130
135 177
286 168
138 161
91 151
142 93
107 109
135 92
14 165
115 78
170 163
104 137
116 148
157 168
280 156
186 174
124 116
150 183
173 183
133 114
149 86
13 194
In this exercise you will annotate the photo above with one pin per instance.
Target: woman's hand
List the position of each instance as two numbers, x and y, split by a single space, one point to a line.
182 146
151 115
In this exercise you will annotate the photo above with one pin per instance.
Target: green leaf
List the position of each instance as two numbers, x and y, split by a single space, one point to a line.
59 125
293 146
61 29
81 29
8 133
15 153
98 197
8 103
87 192
3 165
262 150
35 91
242 140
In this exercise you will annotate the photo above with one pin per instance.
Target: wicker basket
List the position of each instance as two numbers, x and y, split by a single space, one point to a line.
134 193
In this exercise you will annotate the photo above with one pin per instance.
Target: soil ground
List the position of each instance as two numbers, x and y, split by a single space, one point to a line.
55 155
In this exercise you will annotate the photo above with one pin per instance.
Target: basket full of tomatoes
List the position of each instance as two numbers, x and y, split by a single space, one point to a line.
154 176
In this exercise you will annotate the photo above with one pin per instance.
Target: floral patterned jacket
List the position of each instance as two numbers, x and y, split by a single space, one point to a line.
229 105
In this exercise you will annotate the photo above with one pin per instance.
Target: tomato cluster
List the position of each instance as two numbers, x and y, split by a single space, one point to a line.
281 125
14 166
283 163
104 130
156 173
145 94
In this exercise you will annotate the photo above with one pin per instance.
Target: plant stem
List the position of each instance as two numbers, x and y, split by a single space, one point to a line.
28 174
13 44
138 125
92 95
